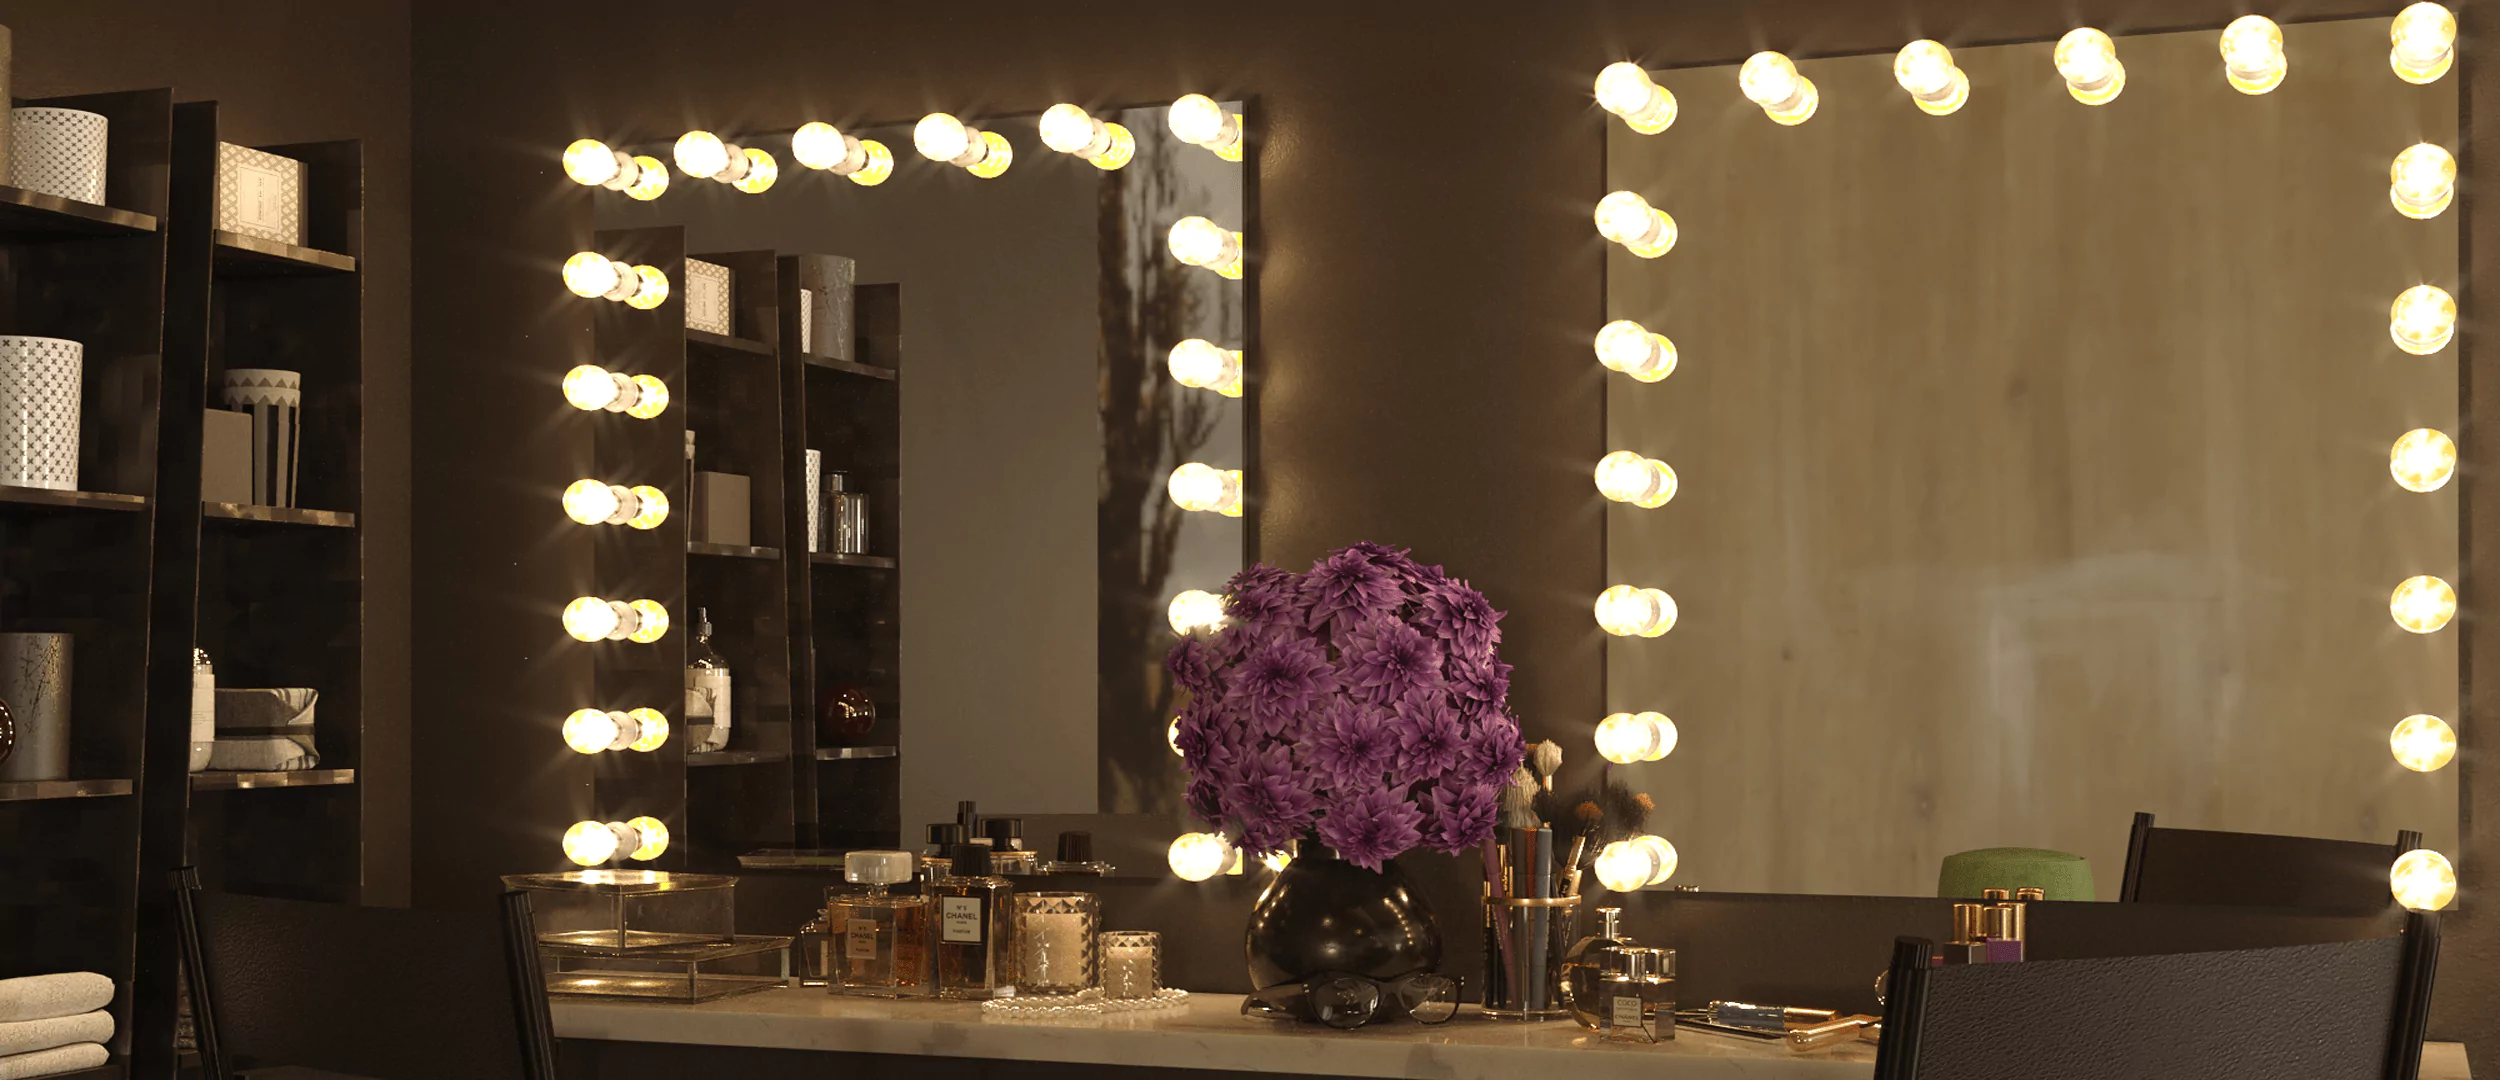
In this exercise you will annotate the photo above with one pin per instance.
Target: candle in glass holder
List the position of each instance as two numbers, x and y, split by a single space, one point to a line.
1131 964
1055 941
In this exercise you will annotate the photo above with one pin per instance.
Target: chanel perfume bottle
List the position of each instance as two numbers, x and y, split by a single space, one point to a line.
1584 967
971 928
883 946
1637 995
707 690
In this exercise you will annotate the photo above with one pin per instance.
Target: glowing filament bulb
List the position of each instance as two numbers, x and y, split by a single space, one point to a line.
589 843
1632 611
865 162
1205 488
2252 54
762 170
650 397
1771 81
589 162
1626 90
590 618
589 731
1069 129
1627 219
1196 610
1203 365
593 503
941 137
650 838
2423 604
2425 37
2422 460
1627 477
701 154
1926 69
1638 863
2422 320
2423 880
650 289
2422 181
1198 856
818 145
1662 854
650 622
650 179
1199 242
1196 119
590 274
591 388
2088 60
2423 743
1624 738
650 508
1172 737
1629 347
651 730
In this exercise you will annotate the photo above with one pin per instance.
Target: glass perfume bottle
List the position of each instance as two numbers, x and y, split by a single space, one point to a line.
203 709
1637 995
815 941
707 690
1584 967
971 928
884 936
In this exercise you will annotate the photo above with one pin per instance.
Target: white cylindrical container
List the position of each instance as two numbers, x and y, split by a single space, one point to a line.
58 152
815 501
275 400
39 396
203 709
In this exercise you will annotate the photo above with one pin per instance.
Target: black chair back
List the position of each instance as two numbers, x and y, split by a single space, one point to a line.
2194 866
384 993
2352 1010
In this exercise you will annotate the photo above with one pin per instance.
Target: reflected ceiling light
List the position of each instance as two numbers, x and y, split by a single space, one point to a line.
1624 738
2422 460
1204 365
1200 242
589 274
2252 54
590 162
703 155
2423 880
1196 119
1926 69
1629 347
1204 488
590 618
591 502
589 731
2422 320
819 145
1632 611
2423 604
2422 181
1626 90
590 843
1627 219
1627 477
591 388
1771 80
1195 610
941 137
2423 743
2088 60
1198 856
1069 129
1276 861
2425 37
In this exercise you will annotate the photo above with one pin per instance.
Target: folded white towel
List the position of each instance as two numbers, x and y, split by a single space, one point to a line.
28 1036
42 997
53 1062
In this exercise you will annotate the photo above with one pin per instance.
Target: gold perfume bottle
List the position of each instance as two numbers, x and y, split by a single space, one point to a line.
882 945
970 919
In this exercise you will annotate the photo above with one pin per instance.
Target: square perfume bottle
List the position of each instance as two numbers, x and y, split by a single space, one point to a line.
878 942
969 919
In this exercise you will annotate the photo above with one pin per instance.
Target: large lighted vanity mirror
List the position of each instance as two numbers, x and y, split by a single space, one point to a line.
1021 326
2033 462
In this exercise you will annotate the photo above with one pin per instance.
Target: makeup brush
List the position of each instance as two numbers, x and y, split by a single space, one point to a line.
1548 761
1586 816
1519 801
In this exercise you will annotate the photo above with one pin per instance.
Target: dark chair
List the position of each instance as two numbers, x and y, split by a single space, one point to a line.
382 993
2193 866
2351 1010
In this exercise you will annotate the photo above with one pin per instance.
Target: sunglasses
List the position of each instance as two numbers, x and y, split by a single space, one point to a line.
1347 1002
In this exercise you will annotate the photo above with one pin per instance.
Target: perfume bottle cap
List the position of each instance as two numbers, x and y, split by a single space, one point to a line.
1610 922
2031 892
1967 921
971 860
1994 895
1076 846
1005 833
945 835
1634 962
877 867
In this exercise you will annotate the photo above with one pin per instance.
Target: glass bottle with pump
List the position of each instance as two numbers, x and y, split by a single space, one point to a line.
707 690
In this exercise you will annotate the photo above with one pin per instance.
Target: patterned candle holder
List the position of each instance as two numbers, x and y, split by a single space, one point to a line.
1054 941
1132 964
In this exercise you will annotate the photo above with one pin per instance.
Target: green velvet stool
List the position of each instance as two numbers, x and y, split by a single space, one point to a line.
2060 875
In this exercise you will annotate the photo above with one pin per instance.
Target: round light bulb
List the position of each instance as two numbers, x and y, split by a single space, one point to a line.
1200 242
2423 743
1172 737
1195 610
589 731
701 154
1199 487
1199 363
589 843
1069 129
996 155
2425 37
1199 856
1627 477
1629 347
651 292
818 145
941 137
2422 460
590 162
1626 90
1624 738
1926 69
652 835
589 387
762 170
653 624
2252 54
2423 604
589 618
2088 60
1632 611
876 163
590 502
1771 80
653 731
1627 219
651 397
1623 867
1197 119
2422 320
590 274
2423 880
2422 181
1662 856
650 179
650 507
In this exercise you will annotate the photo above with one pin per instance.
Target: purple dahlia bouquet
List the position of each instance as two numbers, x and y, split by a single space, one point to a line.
1362 702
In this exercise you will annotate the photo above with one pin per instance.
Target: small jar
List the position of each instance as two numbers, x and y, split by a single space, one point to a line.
1132 964
1054 941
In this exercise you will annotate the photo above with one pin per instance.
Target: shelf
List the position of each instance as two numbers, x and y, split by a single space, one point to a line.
33 215
277 515
730 551
72 500
30 790
872 562
855 753
250 256
726 343
110 1070
848 368
243 781
736 757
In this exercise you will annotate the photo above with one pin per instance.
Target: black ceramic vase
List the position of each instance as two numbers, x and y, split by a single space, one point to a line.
1326 914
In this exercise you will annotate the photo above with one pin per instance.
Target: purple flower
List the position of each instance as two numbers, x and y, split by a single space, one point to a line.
1386 661
1263 596
1493 752
1204 798
1347 589
1193 664
1486 681
1272 801
1283 679
1429 739
1457 613
1195 735
1371 825
1356 744
1461 814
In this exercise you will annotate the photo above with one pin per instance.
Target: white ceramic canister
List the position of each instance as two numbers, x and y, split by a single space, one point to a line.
39 396
58 152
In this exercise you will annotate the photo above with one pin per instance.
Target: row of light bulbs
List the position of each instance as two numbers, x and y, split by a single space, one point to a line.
589 731
590 843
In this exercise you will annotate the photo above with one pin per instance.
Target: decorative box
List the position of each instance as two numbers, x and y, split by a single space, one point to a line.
39 398
684 974
58 152
722 508
630 909
225 456
709 303
260 194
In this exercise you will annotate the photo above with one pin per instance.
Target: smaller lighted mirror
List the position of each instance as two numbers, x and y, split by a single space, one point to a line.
1926 69
2252 54
2423 880
1627 477
1627 219
2423 180
1629 347
2088 60
1195 611
2423 319
2425 37
2423 743
2422 460
1626 90
1632 611
1771 80
1624 738
2423 604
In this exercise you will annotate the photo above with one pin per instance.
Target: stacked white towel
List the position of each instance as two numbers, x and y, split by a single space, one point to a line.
52 1024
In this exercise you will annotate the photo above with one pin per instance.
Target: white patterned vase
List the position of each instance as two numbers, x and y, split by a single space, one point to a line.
39 393
58 152
275 399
